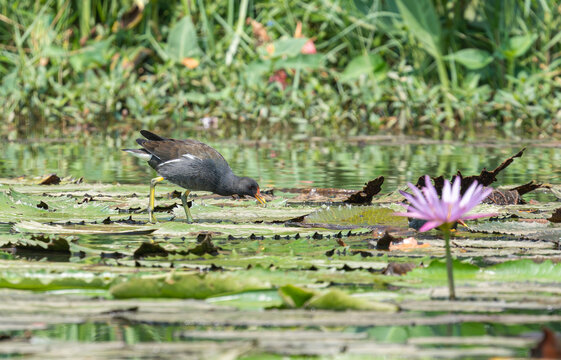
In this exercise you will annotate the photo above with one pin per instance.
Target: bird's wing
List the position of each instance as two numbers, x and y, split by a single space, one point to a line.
171 149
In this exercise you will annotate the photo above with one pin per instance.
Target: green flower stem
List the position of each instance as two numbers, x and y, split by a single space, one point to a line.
449 264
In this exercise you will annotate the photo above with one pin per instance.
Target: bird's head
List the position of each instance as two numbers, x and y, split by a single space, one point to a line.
248 186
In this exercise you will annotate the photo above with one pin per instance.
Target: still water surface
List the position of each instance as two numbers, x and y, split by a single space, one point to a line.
344 164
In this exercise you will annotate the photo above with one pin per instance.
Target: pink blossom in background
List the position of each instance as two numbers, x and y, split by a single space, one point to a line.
309 47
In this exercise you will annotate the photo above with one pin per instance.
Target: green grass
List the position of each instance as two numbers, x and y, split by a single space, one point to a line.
434 68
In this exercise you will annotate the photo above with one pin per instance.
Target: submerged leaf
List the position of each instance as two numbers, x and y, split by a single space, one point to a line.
338 300
195 286
295 296
335 299
516 270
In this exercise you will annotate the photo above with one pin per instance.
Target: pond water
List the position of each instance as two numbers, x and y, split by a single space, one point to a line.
134 334
343 164
319 163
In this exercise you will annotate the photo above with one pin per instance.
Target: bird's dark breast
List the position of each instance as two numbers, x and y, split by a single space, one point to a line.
197 175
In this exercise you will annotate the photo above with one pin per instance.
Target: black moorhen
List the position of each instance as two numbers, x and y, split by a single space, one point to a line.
192 165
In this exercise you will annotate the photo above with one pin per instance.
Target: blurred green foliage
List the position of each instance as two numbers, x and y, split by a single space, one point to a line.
431 67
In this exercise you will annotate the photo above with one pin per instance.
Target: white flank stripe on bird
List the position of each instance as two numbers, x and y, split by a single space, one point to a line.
191 157
169 161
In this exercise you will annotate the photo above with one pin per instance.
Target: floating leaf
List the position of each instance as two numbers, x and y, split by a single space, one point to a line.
338 300
295 296
516 270
518 228
195 286
334 299
45 280
357 216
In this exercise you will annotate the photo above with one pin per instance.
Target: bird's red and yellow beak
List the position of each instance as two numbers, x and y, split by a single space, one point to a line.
260 197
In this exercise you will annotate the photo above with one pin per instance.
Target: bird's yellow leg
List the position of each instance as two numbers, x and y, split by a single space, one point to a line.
153 183
186 206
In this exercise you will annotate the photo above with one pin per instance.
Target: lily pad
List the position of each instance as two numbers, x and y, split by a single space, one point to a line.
356 216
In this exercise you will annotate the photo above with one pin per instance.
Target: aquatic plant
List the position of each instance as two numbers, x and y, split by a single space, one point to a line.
445 211
354 68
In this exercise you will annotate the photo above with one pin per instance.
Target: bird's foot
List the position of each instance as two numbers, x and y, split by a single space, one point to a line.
186 206
188 217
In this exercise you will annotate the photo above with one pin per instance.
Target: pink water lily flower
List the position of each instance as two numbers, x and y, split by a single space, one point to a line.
451 207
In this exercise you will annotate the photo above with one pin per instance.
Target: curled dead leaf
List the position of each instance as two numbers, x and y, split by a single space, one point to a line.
51 179
485 178
398 268
365 196
548 348
556 216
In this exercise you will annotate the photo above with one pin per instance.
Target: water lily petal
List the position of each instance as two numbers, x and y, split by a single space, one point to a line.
468 194
447 192
414 215
456 187
429 225
415 201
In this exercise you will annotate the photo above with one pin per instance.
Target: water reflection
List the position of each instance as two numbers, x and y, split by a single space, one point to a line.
297 164
138 333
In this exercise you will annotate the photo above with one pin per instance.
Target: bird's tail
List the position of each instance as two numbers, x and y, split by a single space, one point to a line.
151 136
139 153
